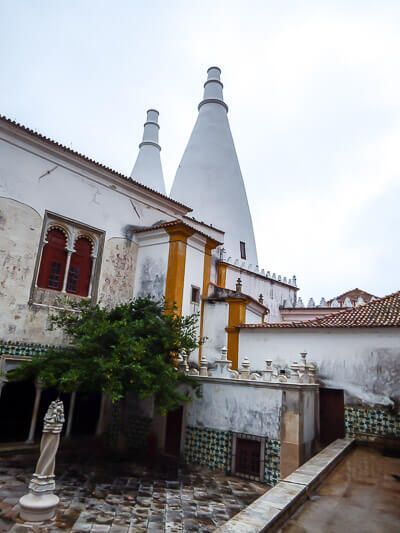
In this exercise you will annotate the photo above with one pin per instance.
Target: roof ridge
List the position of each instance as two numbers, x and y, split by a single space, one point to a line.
88 159
380 316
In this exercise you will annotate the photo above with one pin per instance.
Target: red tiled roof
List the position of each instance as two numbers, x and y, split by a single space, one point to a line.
353 295
87 159
381 313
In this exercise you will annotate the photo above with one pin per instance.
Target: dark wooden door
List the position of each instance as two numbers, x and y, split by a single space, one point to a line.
173 432
331 415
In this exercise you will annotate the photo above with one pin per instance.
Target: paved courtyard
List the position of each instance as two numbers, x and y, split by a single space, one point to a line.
127 498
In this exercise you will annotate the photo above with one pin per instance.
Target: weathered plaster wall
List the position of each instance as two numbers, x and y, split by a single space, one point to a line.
254 284
236 407
215 322
152 264
44 181
20 230
365 362
117 271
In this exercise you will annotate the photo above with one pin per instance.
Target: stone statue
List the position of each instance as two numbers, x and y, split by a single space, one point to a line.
40 503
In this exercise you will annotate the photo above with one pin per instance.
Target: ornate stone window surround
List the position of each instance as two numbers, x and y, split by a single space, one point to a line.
73 231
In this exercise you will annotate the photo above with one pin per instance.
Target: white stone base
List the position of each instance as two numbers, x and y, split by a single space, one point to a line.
35 508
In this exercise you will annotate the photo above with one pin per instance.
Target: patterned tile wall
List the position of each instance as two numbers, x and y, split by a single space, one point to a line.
208 447
272 461
29 349
134 427
213 448
371 422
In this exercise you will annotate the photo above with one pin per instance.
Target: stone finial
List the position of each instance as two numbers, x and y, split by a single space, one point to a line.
261 298
274 276
239 285
236 263
268 372
303 356
203 366
262 272
335 303
312 373
224 353
323 303
284 279
268 273
311 303
245 370
229 260
222 253
54 418
294 372
294 280
299 303
279 277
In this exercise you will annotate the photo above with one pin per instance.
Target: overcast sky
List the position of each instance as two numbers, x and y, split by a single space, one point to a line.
313 90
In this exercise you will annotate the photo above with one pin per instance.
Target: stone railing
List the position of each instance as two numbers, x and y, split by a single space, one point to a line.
300 372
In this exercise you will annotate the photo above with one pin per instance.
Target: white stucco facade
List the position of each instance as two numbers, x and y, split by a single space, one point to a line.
365 362
243 408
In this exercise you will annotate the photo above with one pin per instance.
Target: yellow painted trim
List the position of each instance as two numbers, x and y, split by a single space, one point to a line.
209 246
221 275
178 236
236 316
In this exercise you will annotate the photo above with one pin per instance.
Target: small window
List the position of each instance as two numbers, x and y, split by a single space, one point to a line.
248 457
195 296
242 250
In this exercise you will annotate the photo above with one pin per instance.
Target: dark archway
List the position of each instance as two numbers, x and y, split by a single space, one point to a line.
16 405
86 413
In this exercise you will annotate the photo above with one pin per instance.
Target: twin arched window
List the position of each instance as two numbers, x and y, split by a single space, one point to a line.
63 270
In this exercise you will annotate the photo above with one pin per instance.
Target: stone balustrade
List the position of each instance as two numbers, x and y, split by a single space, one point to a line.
299 372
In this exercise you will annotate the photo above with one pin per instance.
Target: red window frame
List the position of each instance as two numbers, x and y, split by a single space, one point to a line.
80 268
53 261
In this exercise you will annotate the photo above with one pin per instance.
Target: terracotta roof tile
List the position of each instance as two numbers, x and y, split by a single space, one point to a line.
87 159
381 313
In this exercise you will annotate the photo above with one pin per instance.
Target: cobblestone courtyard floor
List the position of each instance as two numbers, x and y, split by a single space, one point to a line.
126 498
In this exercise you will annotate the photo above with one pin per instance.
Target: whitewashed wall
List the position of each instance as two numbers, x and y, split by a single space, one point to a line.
365 362
35 178
194 269
152 264
237 407
254 284
215 322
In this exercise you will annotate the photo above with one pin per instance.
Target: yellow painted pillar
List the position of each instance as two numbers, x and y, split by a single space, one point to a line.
209 246
178 236
221 275
237 315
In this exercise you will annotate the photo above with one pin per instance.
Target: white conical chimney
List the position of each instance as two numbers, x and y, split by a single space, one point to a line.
209 179
147 169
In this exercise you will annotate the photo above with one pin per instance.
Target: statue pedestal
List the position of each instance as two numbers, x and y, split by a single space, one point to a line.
38 508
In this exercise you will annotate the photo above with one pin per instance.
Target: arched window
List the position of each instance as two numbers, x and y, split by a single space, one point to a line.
80 268
54 258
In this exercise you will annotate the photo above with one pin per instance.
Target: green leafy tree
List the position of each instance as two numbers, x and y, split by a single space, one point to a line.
128 348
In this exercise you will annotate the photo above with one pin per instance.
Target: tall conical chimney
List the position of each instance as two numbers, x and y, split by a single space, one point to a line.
209 178
148 169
